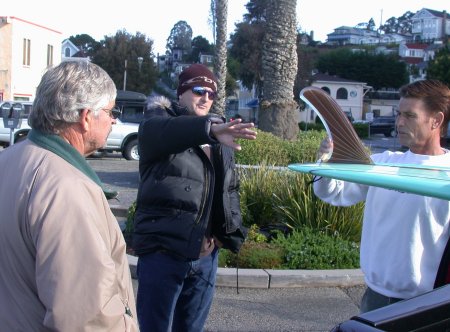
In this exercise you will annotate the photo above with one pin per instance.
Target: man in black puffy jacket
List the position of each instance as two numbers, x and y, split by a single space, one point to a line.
187 204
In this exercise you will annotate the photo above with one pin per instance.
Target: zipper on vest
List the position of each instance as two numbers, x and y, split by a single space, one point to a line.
205 196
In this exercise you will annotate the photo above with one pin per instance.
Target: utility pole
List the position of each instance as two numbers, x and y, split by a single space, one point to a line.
125 77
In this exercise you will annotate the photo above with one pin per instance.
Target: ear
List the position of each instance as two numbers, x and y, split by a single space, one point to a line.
85 119
438 120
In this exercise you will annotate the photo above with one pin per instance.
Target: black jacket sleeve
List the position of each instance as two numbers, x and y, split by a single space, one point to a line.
162 134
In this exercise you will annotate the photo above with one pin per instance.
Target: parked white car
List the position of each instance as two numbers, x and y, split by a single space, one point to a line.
123 138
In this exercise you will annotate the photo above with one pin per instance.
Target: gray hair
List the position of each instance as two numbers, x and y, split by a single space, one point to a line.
67 89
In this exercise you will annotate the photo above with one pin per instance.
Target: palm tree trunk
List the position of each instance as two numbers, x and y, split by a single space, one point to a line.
278 112
220 59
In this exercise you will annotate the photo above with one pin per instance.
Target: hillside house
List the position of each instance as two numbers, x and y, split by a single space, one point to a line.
429 25
68 49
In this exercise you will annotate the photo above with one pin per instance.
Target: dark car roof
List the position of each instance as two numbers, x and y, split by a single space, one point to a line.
123 95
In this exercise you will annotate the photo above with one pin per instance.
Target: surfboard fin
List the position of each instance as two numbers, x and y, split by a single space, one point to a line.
348 148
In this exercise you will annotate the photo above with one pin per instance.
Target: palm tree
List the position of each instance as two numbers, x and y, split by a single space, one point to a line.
220 59
278 110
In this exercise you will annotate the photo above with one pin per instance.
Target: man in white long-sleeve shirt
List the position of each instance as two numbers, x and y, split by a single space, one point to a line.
404 236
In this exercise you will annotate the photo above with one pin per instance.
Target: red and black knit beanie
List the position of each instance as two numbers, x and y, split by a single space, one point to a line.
196 75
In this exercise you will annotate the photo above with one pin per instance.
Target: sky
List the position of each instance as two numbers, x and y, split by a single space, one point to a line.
155 19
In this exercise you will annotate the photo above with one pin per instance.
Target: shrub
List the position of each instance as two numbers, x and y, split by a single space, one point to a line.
129 224
303 126
255 253
362 129
268 149
308 249
257 189
305 148
271 197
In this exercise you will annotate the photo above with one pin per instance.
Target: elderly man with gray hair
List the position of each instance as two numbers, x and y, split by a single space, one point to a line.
62 254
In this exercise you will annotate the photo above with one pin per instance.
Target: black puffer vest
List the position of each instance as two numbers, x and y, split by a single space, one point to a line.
180 188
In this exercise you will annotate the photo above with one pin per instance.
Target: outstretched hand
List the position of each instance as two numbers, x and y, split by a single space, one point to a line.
227 133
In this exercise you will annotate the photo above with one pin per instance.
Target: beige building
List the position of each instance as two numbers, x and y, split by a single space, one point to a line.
27 50
348 94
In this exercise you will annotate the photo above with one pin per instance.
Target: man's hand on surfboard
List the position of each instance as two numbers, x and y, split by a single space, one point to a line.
325 150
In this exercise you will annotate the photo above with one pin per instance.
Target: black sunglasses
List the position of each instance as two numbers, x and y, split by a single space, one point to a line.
200 91
113 112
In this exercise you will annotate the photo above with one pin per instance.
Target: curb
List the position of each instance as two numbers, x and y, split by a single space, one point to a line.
261 278
267 278
119 211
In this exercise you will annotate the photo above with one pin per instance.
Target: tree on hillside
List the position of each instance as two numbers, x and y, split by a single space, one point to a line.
404 23
256 11
278 110
377 70
246 50
220 59
246 43
371 25
112 52
390 25
85 43
199 45
306 58
401 25
366 25
439 67
180 37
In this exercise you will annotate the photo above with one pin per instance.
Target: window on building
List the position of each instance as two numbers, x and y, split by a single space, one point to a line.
342 93
67 52
49 55
26 52
326 89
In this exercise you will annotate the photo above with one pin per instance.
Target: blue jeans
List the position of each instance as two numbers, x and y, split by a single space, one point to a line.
174 294
372 300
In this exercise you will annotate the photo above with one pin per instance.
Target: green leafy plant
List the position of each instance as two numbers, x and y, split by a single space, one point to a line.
255 253
129 224
255 236
280 197
266 149
308 249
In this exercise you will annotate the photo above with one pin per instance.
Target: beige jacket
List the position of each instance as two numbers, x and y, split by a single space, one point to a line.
63 265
